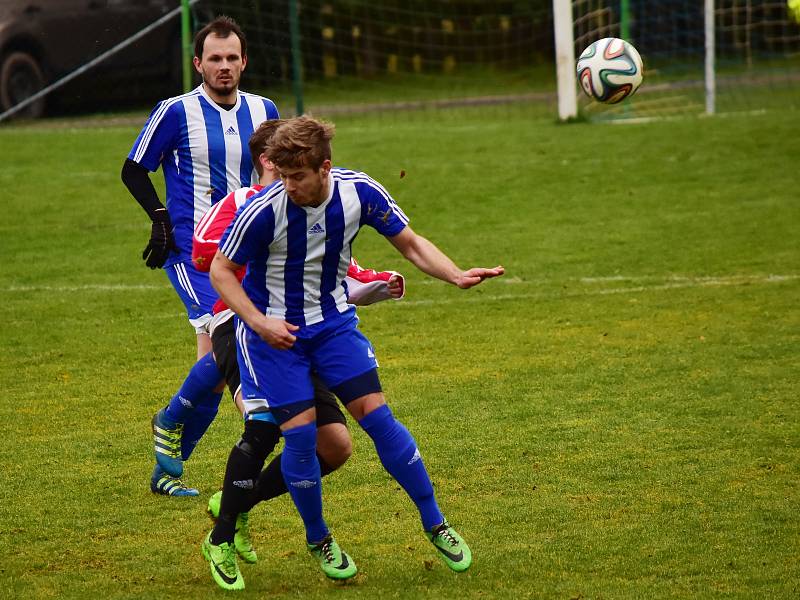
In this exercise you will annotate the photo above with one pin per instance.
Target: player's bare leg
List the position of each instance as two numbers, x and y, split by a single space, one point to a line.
203 345
334 446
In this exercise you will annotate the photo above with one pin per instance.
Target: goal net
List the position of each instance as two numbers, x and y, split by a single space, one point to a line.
333 57
700 57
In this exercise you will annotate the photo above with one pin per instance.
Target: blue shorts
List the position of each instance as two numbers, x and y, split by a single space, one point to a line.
195 291
273 379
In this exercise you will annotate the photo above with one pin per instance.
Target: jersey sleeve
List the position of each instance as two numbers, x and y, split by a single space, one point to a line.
157 138
272 110
379 210
209 230
250 232
365 286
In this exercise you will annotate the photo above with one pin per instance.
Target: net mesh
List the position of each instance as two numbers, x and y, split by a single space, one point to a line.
757 46
384 57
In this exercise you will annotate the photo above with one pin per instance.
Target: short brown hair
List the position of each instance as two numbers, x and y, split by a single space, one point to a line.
301 142
259 140
222 26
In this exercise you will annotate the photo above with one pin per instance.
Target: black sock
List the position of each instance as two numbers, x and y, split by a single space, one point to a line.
241 473
224 530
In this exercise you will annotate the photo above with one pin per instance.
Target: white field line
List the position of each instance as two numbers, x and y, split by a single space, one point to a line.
587 289
671 284
699 281
89 287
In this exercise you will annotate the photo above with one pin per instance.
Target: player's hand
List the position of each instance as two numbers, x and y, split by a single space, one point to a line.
161 241
396 286
276 332
475 276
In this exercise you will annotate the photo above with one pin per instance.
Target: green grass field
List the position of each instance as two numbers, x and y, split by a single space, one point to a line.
617 417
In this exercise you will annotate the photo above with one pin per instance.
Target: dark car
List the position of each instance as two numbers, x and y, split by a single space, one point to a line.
41 41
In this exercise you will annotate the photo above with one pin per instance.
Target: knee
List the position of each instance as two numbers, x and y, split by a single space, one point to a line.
259 439
334 444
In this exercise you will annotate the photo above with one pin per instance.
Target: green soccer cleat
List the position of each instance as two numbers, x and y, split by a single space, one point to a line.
167 444
166 485
335 563
241 539
451 546
224 569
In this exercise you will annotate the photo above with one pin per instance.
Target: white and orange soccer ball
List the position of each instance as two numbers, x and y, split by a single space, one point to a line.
610 70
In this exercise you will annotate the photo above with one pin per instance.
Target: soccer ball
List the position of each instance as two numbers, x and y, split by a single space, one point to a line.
610 70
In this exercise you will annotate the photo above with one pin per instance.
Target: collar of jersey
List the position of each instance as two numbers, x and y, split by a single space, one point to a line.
217 106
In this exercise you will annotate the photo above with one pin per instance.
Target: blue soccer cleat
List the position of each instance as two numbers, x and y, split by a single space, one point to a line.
166 485
167 444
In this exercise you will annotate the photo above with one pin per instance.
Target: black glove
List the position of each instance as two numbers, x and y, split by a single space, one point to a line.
161 241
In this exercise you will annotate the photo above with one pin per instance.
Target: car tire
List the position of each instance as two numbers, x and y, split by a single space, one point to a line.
20 78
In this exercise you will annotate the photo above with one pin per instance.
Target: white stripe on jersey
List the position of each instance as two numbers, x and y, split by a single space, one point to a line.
351 206
231 245
257 108
258 113
186 283
198 146
315 253
154 121
276 261
241 338
233 148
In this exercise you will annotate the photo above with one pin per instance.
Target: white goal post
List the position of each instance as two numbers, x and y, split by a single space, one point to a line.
565 59
564 33
710 78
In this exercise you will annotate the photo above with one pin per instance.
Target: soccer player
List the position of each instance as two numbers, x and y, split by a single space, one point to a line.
199 140
334 445
293 318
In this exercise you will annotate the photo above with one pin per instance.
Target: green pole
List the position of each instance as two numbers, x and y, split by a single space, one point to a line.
186 45
297 76
625 20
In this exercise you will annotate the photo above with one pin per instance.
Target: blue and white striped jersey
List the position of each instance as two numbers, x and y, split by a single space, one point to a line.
297 257
202 149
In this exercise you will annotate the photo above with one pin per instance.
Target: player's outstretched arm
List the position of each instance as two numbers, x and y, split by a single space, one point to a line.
429 259
276 332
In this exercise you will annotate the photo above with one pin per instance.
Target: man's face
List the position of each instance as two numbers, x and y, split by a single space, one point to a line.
222 63
306 186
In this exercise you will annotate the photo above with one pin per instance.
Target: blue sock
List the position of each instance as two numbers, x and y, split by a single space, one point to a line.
197 422
400 457
301 473
203 377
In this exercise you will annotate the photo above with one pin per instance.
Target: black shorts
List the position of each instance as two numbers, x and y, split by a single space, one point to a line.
223 343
